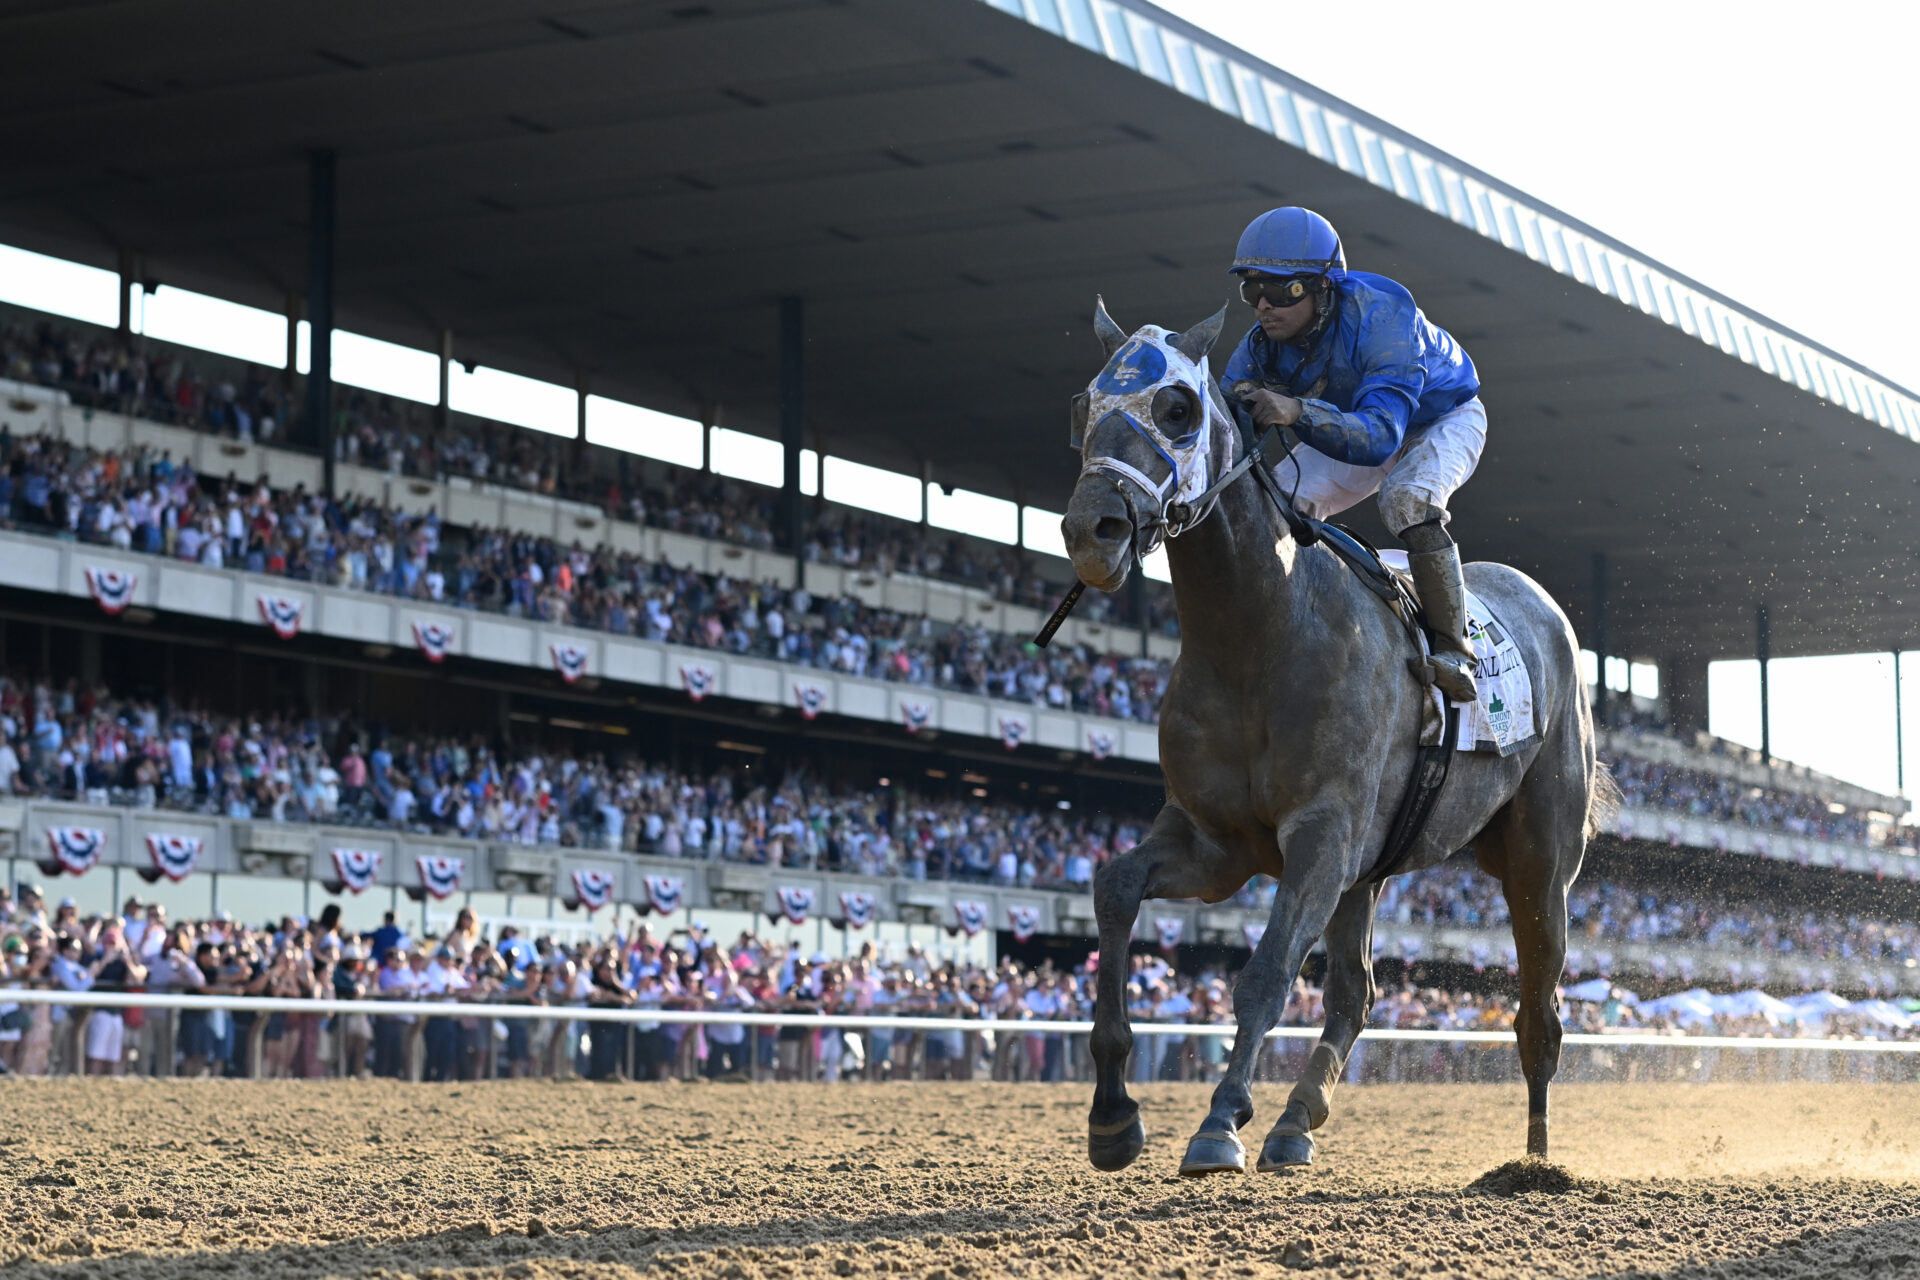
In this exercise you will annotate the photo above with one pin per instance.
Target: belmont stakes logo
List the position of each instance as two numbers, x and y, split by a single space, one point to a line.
666 893
1014 730
592 890
1169 929
356 868
282 613
111 589
811 696
856 909
440 877
796 903
570 660
1100 743
971 916
75 850
434 639
915 714
173 856
1025 922
698 678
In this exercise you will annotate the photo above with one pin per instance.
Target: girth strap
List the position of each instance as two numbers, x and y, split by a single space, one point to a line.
1430 765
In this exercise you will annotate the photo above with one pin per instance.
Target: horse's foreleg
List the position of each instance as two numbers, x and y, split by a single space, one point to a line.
1172 862
1348 998
1309 888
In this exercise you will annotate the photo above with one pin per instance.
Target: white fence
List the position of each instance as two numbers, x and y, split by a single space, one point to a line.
1052 1049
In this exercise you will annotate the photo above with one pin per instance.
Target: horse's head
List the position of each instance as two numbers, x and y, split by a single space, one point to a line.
1152 436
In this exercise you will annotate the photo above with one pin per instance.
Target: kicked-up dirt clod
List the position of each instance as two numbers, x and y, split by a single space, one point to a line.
535 1180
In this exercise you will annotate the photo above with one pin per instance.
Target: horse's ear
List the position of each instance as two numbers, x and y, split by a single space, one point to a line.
1196 342
1112 336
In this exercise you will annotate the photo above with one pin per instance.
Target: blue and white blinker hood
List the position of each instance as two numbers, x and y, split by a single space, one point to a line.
1144 364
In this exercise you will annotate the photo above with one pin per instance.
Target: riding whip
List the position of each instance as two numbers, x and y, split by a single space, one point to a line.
1072 598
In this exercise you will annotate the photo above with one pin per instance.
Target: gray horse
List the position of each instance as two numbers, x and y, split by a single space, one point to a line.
1287 736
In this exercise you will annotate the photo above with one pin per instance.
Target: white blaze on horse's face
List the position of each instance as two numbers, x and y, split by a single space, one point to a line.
1144 366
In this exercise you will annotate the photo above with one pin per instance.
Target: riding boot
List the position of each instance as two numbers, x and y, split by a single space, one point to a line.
1443 594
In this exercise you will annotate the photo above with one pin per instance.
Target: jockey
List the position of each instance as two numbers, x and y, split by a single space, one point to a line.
1383 400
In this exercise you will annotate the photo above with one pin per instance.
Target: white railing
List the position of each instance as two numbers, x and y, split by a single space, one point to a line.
376 1007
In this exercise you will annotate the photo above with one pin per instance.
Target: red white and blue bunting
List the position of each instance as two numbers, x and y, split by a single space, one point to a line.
75 849
173 856
1025 922
796 903
1168 929
699 679
434 639
111 589
665 894
971 916
1253 933
570 660
1015 728
440 877
1101 743
856 909
283 614
811 696
357 868
593 889
916 713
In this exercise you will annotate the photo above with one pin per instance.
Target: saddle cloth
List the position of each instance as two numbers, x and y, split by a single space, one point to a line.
1501 720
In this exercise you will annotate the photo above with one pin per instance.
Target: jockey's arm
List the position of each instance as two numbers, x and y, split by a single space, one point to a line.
1384 402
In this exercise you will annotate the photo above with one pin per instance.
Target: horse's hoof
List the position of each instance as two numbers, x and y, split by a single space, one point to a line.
1112 1147
1214 1151
1285 1151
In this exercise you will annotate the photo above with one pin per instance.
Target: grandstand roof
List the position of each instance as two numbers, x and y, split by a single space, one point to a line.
627 188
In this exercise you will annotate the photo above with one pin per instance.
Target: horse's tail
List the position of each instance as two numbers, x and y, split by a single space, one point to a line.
1603 798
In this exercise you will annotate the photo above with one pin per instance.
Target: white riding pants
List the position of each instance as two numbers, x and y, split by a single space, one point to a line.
1414 484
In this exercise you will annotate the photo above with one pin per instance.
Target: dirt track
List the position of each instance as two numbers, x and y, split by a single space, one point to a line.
952 1182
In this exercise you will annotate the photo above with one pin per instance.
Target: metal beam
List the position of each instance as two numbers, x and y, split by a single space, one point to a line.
1899 732
320 211
1598 638
792 428
1763 650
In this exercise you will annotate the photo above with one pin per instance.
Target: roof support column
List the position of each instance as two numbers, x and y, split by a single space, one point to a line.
320 211
1598 638
1763 650
792 428
1899 732
442 411
126 288
1683 687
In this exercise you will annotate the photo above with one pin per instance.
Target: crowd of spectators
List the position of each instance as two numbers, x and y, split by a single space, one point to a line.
640 970
131 375
71 741
1702 794
144 500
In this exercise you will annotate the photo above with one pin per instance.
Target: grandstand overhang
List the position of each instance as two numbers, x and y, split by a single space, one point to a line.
627 190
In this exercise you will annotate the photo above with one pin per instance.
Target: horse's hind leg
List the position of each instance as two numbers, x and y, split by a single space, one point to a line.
1348 999
1174 861
1541 838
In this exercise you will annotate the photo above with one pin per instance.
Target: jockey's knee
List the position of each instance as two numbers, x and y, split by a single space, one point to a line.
1428 535
1406 507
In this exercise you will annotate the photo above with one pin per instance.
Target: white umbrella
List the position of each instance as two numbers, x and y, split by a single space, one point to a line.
1592 989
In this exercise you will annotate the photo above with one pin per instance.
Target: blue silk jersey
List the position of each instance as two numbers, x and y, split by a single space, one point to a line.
1379 370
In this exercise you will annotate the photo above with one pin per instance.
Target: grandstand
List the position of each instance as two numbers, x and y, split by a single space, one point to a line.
754 706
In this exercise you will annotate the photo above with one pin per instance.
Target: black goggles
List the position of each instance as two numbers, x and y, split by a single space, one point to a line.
1279 291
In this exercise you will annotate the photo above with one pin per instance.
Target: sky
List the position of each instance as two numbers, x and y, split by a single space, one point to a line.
1765 150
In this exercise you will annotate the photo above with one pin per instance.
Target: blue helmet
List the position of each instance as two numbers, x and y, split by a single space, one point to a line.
1290 241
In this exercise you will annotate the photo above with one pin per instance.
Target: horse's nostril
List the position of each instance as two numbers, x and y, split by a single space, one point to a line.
1110 529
